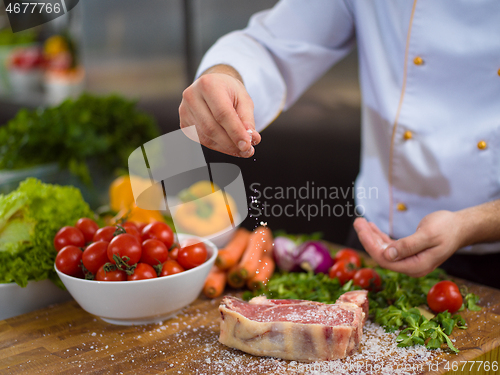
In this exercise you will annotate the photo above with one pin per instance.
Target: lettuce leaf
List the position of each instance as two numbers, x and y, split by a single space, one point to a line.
29 219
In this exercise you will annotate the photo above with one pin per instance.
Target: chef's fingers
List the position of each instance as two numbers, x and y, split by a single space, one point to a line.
194 110
371 241
222 105
417 265
408 246
210 134
244 108
382 235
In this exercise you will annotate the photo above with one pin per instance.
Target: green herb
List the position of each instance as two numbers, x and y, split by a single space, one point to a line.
29 219
299 238
435 331
106 129
470 300
299 285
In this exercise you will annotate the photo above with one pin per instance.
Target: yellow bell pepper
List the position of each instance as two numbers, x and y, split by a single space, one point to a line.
204 211
122 200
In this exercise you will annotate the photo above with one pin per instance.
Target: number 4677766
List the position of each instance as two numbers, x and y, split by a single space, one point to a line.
471 366
32 8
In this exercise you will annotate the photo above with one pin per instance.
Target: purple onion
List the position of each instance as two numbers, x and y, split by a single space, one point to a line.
314 256
286 254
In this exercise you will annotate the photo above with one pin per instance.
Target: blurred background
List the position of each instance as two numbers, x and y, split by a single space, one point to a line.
148 50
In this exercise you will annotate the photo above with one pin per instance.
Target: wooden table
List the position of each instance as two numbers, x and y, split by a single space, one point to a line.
64 339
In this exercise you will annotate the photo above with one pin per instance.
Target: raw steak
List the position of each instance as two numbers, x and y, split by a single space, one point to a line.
293 329
358 297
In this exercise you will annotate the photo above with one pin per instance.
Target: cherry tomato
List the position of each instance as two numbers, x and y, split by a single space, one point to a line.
193 255
114 275
131 228
140 226
154 252
173 252
445 295
95 255
171 267
105 234
126 247
68 236
159 231
68 261
130 224
141 272
367 278
348 255
342 270
88 227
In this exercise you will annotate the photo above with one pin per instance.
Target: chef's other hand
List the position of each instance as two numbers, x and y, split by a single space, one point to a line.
218 104
437 237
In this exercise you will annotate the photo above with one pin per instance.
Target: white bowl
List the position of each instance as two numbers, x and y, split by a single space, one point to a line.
141 301
15 300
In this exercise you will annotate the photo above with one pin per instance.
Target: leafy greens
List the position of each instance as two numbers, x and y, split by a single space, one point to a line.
106 129
29 219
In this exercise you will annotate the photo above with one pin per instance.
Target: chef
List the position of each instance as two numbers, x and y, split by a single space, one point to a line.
430 139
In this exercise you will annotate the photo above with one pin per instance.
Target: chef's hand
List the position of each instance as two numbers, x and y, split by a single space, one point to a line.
222 111
437 237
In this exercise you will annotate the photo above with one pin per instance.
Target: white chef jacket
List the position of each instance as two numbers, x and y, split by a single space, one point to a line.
430 82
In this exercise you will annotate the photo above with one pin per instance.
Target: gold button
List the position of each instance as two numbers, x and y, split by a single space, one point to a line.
418 60
401 207
481 145
498 72
407 135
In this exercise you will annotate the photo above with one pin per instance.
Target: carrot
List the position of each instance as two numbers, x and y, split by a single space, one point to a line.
263 275
260 242
234 278
215 283
231 254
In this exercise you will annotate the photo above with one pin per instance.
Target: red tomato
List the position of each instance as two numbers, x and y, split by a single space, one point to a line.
367 278
349 255
171 267
130 224
95 255
68 236
140 226
343 270
159 231
115 275
131 228
105 234
173 252
193 255
88 227
68 261
154 252
141 272
126 247
445 295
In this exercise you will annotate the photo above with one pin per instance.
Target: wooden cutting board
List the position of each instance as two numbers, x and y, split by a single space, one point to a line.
64 339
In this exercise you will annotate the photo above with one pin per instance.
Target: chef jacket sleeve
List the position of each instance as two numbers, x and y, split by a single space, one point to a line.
284 50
